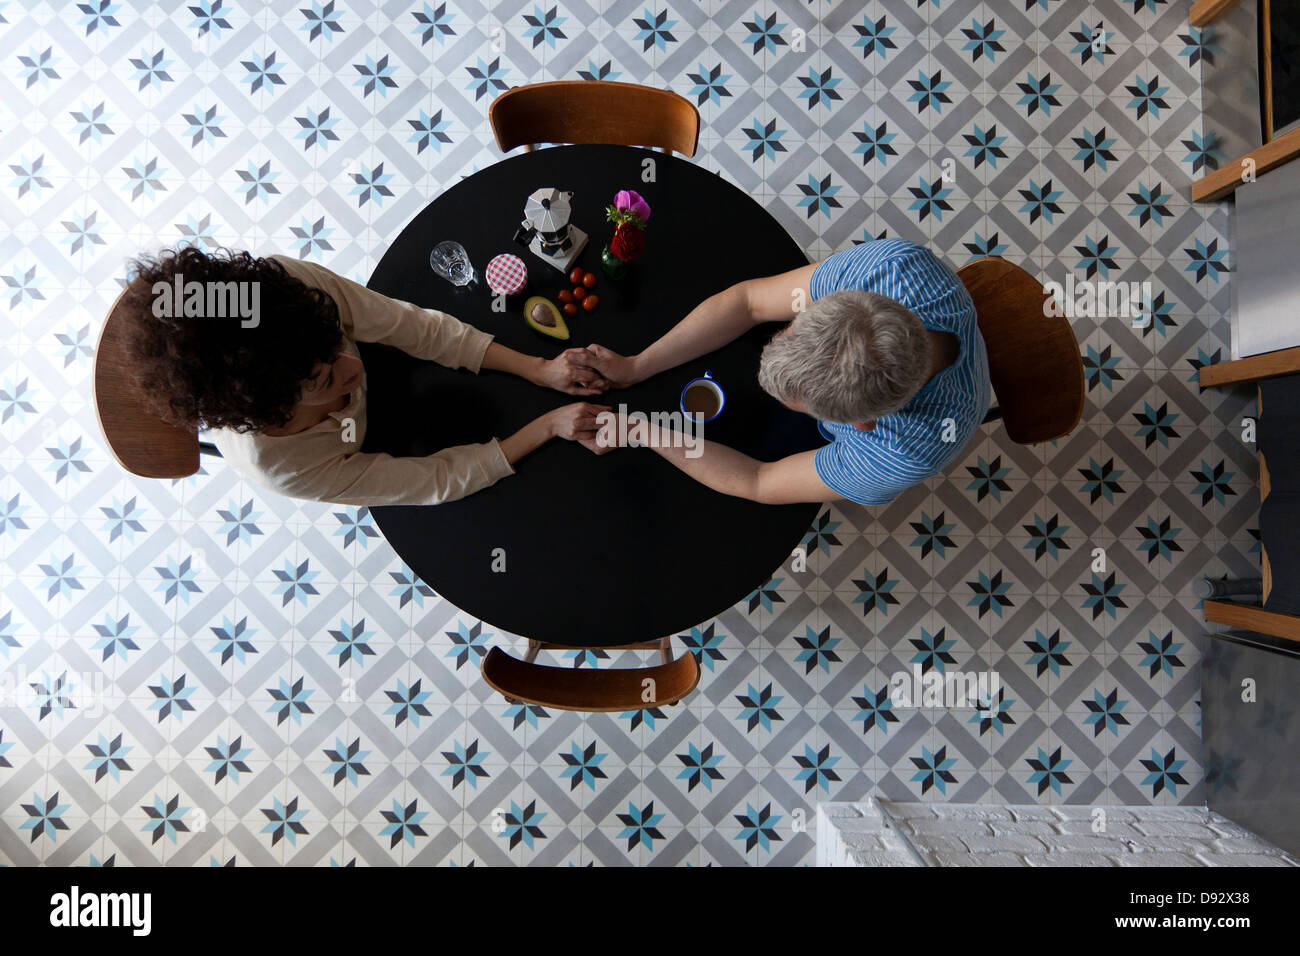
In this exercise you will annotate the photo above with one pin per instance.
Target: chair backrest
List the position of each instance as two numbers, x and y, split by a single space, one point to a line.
595 111
594 691
141 442
1034 360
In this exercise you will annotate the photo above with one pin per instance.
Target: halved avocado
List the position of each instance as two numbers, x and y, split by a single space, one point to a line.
541 313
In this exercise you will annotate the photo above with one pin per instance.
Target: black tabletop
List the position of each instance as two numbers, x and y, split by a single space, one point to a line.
598 550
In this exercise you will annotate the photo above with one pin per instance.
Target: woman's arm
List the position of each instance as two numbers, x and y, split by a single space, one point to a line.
576 422
369 316
528 439
306 469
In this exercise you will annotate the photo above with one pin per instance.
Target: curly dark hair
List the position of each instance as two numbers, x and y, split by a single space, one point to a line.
213 372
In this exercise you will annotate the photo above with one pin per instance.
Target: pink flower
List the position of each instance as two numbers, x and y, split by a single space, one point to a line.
628 201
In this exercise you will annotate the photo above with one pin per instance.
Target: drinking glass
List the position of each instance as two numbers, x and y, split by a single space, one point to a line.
451 261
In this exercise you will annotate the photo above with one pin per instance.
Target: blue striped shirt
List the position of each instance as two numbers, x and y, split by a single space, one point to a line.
907 446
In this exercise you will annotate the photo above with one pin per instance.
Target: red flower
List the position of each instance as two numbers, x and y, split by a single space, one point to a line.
628 242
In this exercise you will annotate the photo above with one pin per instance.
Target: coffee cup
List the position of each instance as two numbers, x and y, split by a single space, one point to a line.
703 397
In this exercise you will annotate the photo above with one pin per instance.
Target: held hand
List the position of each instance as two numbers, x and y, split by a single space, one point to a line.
616 431
594 445
572 372
577 422
619 371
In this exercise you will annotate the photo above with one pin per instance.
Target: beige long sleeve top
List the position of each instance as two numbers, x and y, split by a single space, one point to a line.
319 465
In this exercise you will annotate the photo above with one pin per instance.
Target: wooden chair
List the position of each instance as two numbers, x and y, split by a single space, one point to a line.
1034 360
142 443
594 111
594 691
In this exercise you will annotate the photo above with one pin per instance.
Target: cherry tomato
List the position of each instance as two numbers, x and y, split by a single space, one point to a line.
570 308
576 275
589 279
564 295
590 302
579 293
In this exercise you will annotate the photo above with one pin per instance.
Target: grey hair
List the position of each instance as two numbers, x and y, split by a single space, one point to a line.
850 357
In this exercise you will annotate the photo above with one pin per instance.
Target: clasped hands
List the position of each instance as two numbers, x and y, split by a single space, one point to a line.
590 371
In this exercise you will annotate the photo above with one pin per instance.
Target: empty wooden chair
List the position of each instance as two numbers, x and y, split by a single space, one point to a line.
1034 360
142 443
595 111
594 691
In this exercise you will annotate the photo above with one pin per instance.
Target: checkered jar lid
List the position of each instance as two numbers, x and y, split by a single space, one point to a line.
507 274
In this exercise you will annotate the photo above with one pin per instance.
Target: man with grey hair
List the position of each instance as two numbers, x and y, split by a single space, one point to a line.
888 357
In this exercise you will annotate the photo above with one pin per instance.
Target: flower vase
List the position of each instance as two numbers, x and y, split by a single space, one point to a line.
612 265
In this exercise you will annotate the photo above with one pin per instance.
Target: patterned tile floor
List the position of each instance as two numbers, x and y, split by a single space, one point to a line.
197 673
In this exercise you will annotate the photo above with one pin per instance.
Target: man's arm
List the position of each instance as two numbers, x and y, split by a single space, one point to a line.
713 323
567 372
785 481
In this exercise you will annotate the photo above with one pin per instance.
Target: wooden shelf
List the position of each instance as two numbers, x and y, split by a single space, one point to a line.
1205 12
1252 617
1276 150
1250 368
1223 182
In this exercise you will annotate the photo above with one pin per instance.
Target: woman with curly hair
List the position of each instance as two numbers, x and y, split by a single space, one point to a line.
284 395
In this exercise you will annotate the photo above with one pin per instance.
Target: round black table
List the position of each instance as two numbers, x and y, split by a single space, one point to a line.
598 549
